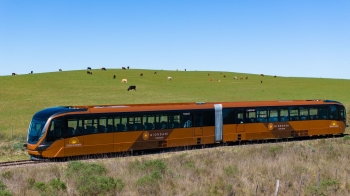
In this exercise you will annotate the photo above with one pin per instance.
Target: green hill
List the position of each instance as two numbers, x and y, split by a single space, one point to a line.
23 95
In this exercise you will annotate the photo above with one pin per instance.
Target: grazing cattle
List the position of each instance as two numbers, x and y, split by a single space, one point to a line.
155 72
246 78
123 68
169 78
60 70
31 72
103 69
114 76
211 79
241 78
185 69
235 77
262 75
89 72
261 81
128 67
133 87
14 74
218 80
141 74
274 76
124 80
208 74
224 76
88 68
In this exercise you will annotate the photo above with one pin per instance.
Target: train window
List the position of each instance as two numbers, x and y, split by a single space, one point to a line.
148 122
109 126
342 112
90 126
228 116
284 117
322 113
174 120
250 116
75 127
55 130
333 112
198 122
293 113
134 123
186 119
313 113
123 124
209 118
304 113
161 121
240 116
261 115
102 122
273 114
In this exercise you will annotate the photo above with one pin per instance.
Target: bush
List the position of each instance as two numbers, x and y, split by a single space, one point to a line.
3 191
54 187
151 165
90 179
7 174
149 179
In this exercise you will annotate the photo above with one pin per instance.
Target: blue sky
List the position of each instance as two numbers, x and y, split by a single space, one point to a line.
286 38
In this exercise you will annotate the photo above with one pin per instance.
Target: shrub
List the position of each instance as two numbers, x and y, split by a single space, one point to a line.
31 182
54 187
151 165
231 171
90 180
326 187
149 179
7 174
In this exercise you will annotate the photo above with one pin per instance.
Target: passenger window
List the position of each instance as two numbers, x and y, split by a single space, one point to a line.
293 113
72 125
148 122
228 116
313 113
273 114
261 115
174 121
250 116
186 119
341 112
55 131
161 121
333 112
240 116
304 113
90 126
284 117
322 113
208 118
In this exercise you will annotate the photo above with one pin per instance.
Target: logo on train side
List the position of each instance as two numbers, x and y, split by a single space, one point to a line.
334 124
74 142
270 126
145 135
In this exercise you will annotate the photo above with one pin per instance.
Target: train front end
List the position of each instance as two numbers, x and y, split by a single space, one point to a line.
46 133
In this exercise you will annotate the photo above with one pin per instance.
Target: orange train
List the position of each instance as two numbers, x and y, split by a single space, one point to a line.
64 131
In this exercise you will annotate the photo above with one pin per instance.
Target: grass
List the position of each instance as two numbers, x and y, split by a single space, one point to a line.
22 96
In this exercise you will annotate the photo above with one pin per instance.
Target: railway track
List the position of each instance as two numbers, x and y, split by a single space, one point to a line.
18 163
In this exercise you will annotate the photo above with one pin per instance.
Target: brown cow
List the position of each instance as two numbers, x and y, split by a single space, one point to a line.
155 72
262 75
246 78
261 81
241 78
123 68
211 79
275 76
141 74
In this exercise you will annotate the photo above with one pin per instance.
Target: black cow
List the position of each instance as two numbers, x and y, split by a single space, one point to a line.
103 69
128 67
141 74
132 88
123 68
31 72
89 72
14 74
60 70
114 76
88 68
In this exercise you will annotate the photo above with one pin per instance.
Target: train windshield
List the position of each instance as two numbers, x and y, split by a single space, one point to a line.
36 130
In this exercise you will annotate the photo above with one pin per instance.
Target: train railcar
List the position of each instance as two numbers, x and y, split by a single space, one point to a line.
67 131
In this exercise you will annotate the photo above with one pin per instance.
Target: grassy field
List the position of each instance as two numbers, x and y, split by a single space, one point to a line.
23 95
303 168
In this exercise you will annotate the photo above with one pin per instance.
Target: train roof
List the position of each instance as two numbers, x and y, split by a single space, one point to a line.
174 106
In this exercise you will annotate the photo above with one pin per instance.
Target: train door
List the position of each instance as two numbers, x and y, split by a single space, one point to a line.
187 133
74 140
